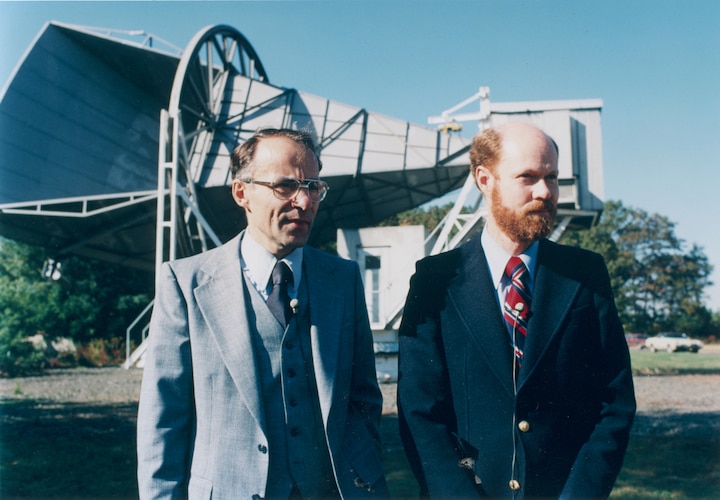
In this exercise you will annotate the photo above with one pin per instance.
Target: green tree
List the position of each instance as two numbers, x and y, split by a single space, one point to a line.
90 300
28 305
658 282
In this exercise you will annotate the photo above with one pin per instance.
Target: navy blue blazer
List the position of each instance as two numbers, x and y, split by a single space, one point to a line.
460 419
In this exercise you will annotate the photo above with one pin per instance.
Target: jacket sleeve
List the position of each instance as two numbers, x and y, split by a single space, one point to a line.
599 460
425 405
166 412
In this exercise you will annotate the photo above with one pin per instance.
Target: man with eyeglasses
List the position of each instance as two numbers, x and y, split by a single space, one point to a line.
260 376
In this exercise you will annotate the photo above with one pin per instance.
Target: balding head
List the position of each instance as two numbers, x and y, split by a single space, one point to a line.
487 146
515 167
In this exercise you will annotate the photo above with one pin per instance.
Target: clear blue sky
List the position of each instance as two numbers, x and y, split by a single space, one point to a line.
654 63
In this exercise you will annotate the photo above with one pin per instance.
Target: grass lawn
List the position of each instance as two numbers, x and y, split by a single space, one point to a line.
676 363
662 467
78 451
655 468
65 450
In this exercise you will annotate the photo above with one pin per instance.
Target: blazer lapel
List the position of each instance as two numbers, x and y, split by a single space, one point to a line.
221 299
474 297
552 299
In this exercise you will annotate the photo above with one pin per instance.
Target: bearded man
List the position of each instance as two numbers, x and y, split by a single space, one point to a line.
514 373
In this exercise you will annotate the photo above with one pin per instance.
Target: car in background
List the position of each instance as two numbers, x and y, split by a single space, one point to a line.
672 342
636 340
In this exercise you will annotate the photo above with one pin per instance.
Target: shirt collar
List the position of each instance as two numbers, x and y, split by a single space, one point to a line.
497 258
258 264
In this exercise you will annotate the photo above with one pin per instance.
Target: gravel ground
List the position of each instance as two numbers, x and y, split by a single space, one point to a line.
688 404
81 385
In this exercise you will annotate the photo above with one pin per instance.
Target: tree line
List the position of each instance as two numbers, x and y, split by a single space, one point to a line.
659 282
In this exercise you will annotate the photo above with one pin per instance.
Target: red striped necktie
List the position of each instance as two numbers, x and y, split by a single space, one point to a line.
516 309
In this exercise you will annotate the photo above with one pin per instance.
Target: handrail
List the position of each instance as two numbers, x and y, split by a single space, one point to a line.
129 330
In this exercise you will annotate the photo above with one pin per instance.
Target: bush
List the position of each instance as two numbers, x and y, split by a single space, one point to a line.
18 356
102 352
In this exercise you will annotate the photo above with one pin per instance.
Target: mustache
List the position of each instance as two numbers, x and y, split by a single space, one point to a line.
539 205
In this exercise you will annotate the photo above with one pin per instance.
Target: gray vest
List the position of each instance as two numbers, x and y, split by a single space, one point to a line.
298 452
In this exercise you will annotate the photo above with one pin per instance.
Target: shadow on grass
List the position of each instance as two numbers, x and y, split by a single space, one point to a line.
68 450
672 455
669 456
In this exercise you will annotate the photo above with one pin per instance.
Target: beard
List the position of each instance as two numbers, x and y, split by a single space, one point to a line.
523 226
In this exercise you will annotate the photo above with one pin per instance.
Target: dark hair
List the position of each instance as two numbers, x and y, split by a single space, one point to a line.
243 155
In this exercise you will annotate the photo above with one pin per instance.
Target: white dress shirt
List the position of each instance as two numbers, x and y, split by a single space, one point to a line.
258 264
497 258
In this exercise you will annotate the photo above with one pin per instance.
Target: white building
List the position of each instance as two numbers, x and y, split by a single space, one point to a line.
387 257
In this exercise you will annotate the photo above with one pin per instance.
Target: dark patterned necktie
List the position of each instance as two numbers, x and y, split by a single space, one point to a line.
516 309
279 301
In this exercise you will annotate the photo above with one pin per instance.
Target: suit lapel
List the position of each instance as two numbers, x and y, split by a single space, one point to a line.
326 306
473 296
552 299
221 299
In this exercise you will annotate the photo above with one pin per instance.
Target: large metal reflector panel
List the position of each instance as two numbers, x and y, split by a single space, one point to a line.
79 135
78 139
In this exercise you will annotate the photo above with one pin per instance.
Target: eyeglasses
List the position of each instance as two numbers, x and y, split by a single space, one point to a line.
286 188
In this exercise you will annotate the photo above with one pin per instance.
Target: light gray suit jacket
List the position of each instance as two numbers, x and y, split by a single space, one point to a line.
201 422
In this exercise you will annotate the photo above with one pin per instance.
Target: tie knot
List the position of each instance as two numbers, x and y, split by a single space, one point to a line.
281 274
515 267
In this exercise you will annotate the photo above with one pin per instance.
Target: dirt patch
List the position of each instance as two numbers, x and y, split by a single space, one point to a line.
687 404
